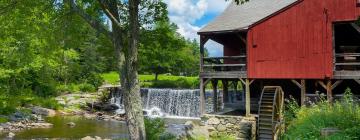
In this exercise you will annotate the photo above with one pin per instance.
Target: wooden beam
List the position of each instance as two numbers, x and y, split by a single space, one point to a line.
215 97
329 90
296 83
337 83
241 38
247 97
303 91
225 85
322 84
251 81
202 97
207 81
356 27
357 81
242 81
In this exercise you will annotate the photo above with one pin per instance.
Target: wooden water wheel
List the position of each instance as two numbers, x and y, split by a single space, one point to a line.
271 106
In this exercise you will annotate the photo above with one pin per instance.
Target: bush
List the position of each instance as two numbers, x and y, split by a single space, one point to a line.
85 87
155 130
344 115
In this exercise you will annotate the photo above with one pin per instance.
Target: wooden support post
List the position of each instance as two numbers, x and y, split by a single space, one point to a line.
215 97
235 83
203 40
225 91
329 90
202 97
303 91
247 96
302 86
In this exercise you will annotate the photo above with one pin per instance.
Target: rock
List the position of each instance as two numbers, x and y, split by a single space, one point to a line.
40 125
1 129
210 129
229 125
11 135
43 111
221 128
213 121
190 123
328 131
87 138
71 124
213 134
232 120
97 138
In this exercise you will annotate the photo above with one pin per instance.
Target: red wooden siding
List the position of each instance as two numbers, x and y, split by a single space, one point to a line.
297 43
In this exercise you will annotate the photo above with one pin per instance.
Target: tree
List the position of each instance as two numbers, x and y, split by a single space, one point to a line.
125 16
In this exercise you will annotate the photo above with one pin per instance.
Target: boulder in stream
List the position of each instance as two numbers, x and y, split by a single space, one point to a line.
43 111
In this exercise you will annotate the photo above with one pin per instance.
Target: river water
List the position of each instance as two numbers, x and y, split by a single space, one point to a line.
84 127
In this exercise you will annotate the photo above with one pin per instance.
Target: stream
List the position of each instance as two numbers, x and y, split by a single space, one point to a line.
84 127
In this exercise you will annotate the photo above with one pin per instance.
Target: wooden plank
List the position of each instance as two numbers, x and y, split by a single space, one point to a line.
346 74
224 75
348 64
224 65
347 54
247 97
227 57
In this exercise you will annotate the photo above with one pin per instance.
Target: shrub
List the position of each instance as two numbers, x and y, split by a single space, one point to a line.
155 129
344 115
85 87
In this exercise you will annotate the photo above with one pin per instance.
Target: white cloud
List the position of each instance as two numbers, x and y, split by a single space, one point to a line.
186 12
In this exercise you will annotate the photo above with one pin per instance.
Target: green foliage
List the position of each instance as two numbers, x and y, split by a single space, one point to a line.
163 50
155 130
344 115
164 81
3 119
85 87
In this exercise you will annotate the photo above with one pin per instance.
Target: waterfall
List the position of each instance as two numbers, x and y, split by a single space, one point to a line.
184 103
167 102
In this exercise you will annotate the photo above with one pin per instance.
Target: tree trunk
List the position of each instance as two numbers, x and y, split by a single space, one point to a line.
131 87
156 76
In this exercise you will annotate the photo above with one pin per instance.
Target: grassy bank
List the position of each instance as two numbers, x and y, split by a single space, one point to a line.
307 122
164 81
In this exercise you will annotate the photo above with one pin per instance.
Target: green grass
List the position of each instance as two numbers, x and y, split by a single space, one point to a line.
164 81
308 121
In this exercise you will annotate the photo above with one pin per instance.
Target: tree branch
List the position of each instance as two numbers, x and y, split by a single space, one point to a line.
109 14
90 20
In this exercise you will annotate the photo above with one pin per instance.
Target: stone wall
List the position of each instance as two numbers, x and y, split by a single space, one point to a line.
240 126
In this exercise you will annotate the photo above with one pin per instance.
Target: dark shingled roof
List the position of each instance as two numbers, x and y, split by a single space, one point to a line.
240 17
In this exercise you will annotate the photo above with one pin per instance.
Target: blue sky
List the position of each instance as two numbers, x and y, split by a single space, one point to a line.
192 15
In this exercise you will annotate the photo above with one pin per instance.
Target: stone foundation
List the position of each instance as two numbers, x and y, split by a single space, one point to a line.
240 126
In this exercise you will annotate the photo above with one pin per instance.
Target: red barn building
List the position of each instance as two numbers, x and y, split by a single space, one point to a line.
295 46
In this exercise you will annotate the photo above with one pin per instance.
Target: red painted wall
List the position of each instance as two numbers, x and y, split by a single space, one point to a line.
297 42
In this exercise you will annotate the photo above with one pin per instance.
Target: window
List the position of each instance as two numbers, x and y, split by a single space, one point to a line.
358 3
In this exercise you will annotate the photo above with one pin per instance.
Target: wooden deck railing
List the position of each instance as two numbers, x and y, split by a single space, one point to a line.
347 61
225 63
